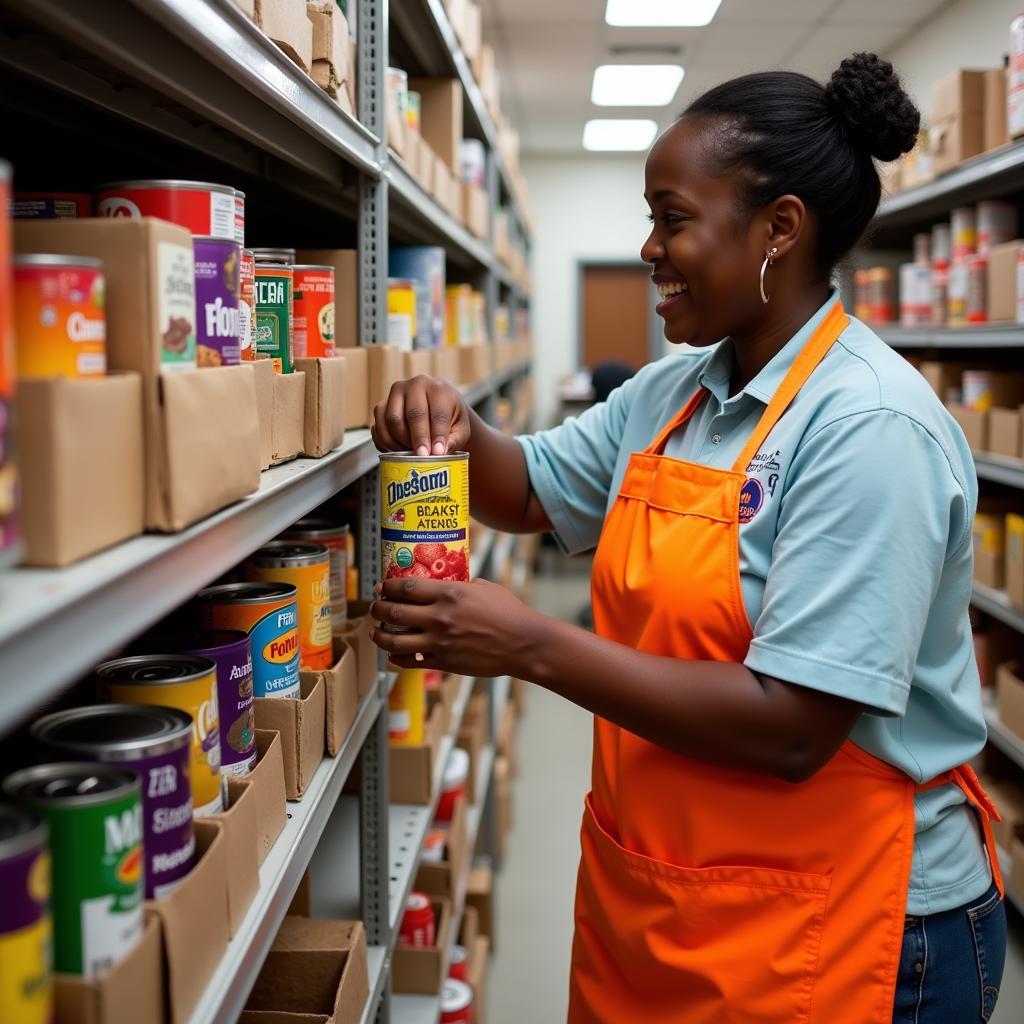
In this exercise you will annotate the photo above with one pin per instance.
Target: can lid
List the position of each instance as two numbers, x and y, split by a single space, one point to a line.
155 669
256 592
47 259
456 771
312 266
71 784
315 528
456 995
293 552
223 239
20 830
413 457
459 954
200 186
401 282
211 640
239 193
274 255
417 901
117 731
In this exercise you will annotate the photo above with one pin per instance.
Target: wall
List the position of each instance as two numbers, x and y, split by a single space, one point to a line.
586 207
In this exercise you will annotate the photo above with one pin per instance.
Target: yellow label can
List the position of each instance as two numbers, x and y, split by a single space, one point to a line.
407 708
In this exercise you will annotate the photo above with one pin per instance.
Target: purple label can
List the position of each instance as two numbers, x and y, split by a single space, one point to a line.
156 743
231 651
218 283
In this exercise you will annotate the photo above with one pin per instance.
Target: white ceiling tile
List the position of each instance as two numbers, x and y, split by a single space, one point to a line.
905 13
734 48
773 12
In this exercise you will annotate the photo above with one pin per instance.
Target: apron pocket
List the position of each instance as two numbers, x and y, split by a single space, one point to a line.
700 945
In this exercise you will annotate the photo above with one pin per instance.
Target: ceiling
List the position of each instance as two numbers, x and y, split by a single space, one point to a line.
547 51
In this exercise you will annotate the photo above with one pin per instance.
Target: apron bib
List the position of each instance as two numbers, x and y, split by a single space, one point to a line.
713 896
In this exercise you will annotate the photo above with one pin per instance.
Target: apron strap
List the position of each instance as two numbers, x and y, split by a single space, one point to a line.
804 365
681 417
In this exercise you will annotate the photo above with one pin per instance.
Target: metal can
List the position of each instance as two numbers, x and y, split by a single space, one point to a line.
273 332
182 681
51 205
269 613
425 516
997 223
218 286
434 846
401 313
459 314
246 306
418 927
60 326
397 82
308 568
407 709
976 309
231 652
473 162
337 538
456 1002
26 933
458 965
923 248
94 816
414 111
282 257
201 207
9 533
964 232
239 216
453 784
352 580
313 312
156 743
977 390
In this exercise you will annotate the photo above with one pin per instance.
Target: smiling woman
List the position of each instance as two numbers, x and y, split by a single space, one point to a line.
759 661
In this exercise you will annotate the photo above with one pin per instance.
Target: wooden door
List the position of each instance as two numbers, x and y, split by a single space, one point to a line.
616 309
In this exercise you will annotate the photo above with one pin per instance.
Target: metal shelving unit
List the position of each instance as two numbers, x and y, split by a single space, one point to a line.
997 604
1010 744
989 336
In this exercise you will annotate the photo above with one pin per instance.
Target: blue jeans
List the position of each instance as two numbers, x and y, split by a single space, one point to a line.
952 964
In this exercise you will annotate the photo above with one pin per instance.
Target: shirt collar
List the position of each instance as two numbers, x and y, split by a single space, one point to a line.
718 371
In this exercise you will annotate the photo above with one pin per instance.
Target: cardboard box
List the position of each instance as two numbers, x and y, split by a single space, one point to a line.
341 695
412 768
443 879
241 821
475 208
316 970
149 271
385 362
478 947
263 377
422 970
1008 797
957 124
474 363
996 130
194 922
445 363
506 745
267 780
358 411
350 85
330 67
1010 696
440 180
286 23
301 724
346 290
418 363
441 117
480 896
424 171
502 804
397 127
473 735
413 142
80 461
470 30
1004 432
133 990
1002 281
288 423
248 6
323 406
1015 559
357 635
973 424
943 375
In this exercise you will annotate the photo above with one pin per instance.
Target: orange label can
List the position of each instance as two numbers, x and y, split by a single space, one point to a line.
308 568
313 312
60 327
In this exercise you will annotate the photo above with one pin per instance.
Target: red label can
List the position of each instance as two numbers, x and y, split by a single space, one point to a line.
203 208
247 306
456 1003
239 217
458 966
418 927
313 312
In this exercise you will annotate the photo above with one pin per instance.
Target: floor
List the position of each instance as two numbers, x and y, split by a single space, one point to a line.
535 892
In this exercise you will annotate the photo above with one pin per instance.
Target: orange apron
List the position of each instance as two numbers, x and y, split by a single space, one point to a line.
712 896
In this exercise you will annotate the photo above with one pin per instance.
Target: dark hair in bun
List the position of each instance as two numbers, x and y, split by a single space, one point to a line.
786 133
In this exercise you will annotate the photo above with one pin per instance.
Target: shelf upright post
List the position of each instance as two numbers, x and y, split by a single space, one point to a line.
491 293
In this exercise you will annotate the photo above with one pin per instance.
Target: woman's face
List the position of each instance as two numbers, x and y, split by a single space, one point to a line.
704 253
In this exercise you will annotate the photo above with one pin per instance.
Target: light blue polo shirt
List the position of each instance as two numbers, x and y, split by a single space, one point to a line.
855 564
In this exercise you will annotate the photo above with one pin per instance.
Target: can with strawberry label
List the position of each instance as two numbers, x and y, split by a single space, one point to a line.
425 516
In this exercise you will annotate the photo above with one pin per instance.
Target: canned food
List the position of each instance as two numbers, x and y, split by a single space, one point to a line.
231 651
60 327
176 307
976 309
313 312
246 306
458 965
94 817
414 111
453 785
425 516
273 333
182 681
282 257
923 248
308 568
473 162
956 294
26 933
407 709
218 285
201 207
337 538
915 294
397 82
51 205
434 846
9 545
942 244
459 314
401 328
964 233
418 927
268 612
997 223
239 216
456 1002
154 742
977 390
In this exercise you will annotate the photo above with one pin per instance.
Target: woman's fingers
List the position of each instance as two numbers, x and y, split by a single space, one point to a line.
403 645
422 415
416 591
442 409
402 614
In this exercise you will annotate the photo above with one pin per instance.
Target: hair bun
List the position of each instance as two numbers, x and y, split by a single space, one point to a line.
866 96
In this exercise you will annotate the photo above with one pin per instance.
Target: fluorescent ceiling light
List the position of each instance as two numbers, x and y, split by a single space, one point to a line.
635 85
603 135
669 13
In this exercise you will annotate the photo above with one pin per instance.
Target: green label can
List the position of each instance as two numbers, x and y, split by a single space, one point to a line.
273 335
94 816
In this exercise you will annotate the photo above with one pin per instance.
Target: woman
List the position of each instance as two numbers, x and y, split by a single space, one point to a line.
780 827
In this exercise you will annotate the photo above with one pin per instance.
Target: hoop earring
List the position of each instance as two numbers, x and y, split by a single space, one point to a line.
769 258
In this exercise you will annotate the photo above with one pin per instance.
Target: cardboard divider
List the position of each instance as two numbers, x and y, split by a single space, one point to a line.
445 364
385 367
286 23
263 370
506 739
330 69
357 635
194 922
316 970
81 467
502 804
442 879
326 387
412 768
267 782
974 425
358 409
301 725
422 970
473 736
1010 697
341 695
1004 432
288 423
417 363
475 209
241 823
131 991
478 948
480 896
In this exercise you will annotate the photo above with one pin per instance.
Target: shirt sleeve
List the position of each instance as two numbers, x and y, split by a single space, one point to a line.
872 513
572 467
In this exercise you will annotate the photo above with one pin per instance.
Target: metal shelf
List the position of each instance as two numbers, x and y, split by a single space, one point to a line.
1000 469
997 604
991 336
280 874
378 964
56 624
480 554
1015 899
1001 737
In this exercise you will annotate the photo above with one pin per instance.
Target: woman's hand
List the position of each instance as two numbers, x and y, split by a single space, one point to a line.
472 629
423 415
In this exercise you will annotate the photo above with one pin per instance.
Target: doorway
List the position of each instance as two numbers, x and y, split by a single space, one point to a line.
617 319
